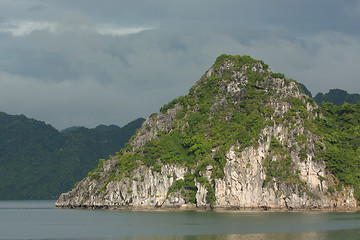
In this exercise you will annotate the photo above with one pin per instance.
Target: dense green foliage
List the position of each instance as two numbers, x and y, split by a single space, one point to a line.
337 97
340 129
187 187
39 162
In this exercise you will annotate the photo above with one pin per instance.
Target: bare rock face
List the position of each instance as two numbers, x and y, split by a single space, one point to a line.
278 168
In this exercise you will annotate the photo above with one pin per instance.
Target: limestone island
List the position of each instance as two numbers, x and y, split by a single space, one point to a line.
244 137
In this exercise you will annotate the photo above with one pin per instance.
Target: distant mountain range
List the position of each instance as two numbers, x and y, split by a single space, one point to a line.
335 96
39 162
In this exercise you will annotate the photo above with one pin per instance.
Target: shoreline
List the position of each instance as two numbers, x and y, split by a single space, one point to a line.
214 208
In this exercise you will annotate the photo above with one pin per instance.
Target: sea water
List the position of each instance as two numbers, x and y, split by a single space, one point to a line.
41 220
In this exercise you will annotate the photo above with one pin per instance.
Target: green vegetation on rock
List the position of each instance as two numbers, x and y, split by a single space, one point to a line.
243 136
230 107
340 130
204 130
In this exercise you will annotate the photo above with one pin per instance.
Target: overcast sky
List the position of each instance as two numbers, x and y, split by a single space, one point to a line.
91 62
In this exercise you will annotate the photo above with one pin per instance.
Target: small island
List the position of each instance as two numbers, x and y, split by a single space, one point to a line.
244 137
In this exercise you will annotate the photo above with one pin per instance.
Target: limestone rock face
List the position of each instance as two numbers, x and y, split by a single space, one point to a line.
241 188
279 170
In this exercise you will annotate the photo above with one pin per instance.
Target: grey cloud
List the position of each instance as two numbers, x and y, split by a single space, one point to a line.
37 7
324 61
84 78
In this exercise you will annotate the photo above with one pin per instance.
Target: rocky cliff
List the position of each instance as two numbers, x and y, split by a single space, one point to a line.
242 138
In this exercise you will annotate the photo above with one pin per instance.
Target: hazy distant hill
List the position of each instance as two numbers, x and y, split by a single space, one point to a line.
69 129
306 91
39 162
337 97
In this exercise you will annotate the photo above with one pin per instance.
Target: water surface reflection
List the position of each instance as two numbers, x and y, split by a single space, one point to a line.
353 234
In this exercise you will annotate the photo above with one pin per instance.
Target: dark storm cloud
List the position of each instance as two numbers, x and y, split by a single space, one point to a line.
91 62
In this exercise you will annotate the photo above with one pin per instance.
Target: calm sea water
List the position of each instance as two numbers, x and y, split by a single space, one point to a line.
40 220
